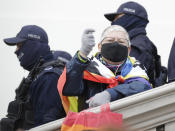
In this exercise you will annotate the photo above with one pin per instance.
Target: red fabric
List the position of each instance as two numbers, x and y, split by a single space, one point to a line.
89 120
101 79
60 86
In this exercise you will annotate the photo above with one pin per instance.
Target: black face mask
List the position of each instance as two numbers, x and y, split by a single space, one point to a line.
130 22
114 52
31 52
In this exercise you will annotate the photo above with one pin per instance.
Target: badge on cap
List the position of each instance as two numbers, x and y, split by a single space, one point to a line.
34 36
129 10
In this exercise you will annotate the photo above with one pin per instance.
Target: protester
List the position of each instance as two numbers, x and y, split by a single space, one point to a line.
134 18
95 80
37 100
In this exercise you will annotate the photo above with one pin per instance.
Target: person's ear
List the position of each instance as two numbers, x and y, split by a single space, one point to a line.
99 47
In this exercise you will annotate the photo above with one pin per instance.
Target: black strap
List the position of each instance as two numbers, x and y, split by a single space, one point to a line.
15 110
7 124
55 63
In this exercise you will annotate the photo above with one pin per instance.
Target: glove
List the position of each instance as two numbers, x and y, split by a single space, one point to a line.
99 99
88 42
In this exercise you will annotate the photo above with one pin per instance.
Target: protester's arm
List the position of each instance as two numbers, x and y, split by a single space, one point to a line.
130 87
74 85
127 89
45 99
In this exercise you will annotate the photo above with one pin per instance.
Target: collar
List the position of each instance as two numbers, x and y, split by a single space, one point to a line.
136 31
48 57
119 70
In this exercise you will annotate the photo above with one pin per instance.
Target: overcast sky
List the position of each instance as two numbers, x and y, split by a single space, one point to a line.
64 21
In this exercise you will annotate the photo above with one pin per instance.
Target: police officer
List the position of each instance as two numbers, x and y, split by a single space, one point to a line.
133 17
43 102
171 64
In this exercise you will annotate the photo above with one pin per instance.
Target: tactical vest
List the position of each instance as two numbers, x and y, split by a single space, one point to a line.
19 113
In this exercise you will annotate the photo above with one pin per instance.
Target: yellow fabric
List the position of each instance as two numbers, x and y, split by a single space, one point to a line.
76 128
134 73
132 60
73 103
130 76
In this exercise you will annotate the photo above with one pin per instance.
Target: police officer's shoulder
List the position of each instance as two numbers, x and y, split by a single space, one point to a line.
49 70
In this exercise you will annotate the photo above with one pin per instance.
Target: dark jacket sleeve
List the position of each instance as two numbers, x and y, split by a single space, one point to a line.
171 64
124 90
74 85
45 99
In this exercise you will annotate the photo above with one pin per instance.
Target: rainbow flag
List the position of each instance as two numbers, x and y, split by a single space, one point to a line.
95 72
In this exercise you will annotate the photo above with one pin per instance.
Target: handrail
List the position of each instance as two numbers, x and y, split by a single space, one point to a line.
143 110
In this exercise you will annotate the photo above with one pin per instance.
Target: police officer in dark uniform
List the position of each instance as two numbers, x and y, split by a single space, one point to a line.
37 100
133 17
171 64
